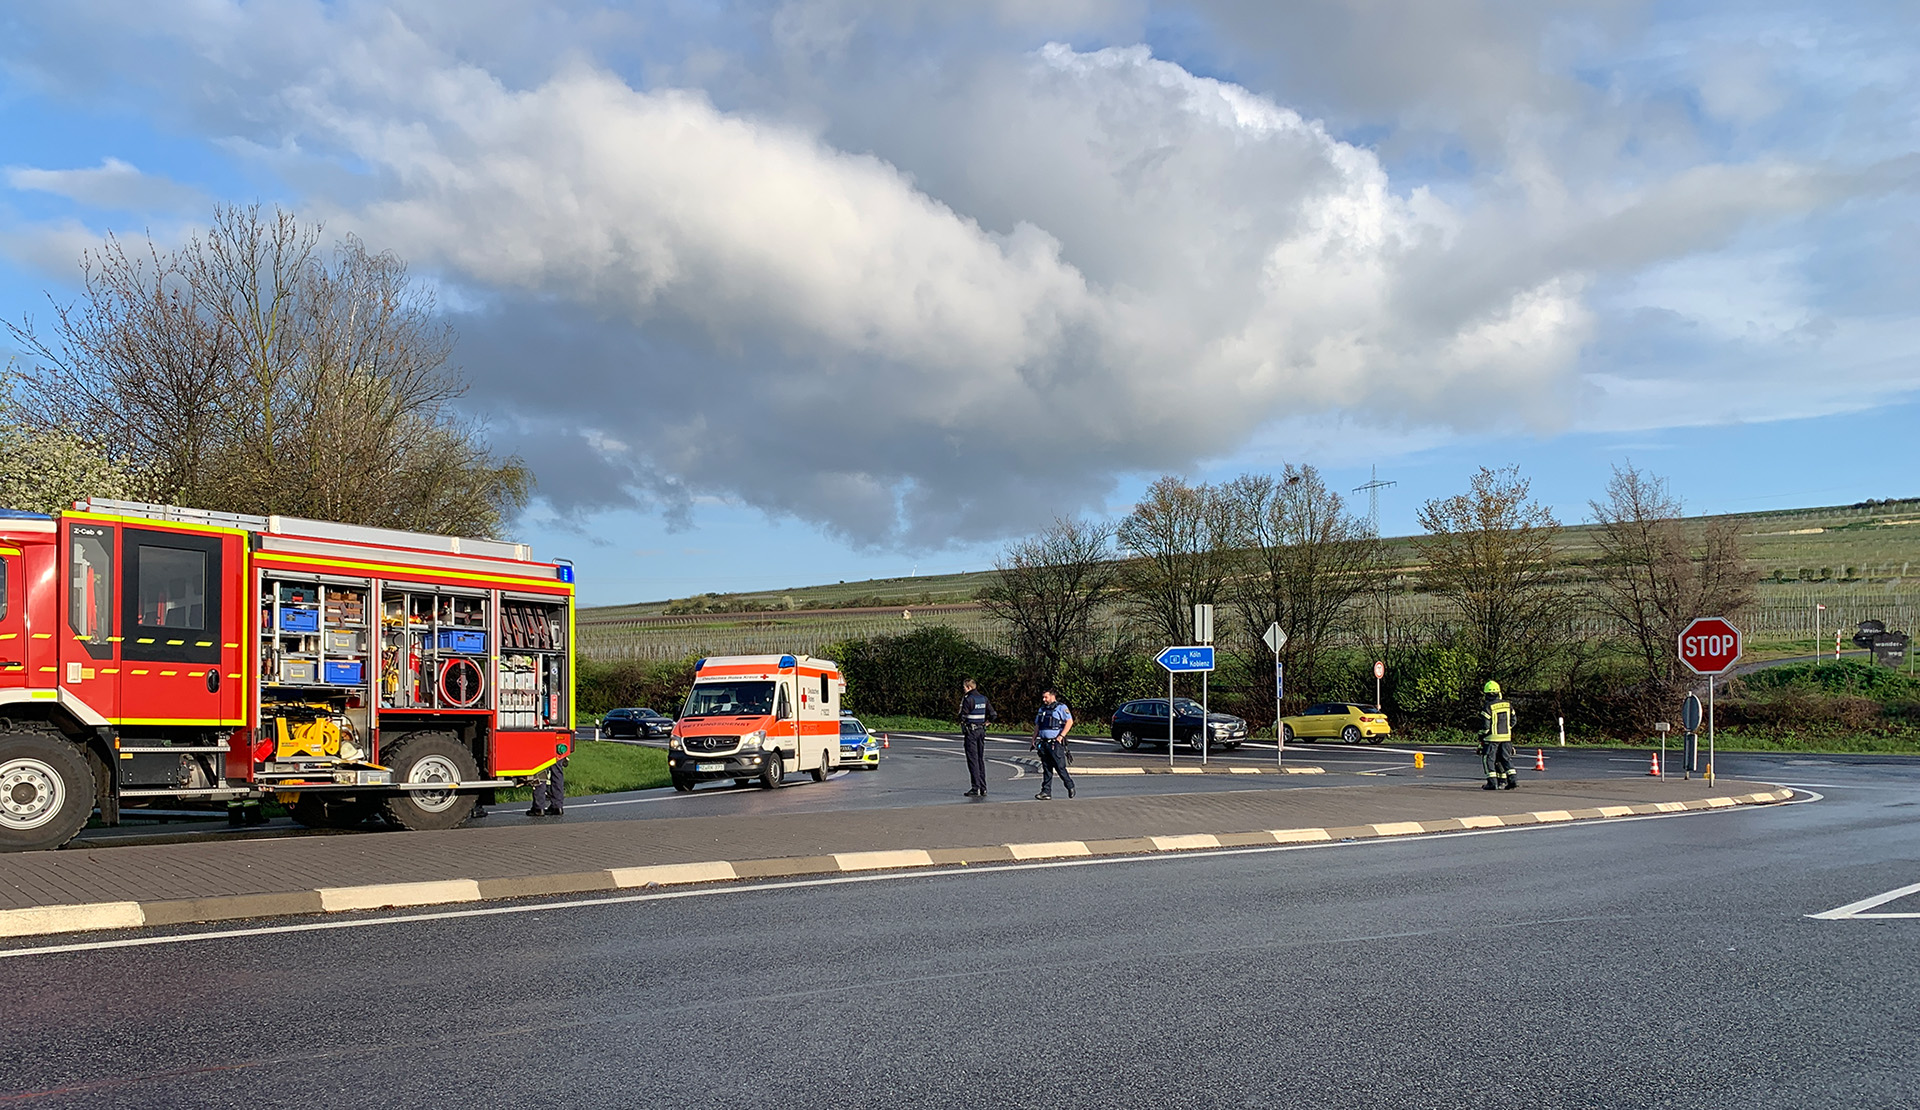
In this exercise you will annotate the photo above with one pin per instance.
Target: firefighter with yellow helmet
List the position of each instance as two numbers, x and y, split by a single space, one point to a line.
1496 738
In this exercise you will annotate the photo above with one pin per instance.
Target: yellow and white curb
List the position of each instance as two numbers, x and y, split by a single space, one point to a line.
43 920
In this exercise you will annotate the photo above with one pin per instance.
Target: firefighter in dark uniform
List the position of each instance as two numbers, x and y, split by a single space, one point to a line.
1496 738
1050 728
975 712
550 791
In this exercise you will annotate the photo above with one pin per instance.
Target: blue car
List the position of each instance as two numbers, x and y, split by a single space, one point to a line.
858 747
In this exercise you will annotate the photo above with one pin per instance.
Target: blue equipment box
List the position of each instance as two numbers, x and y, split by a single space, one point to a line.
456 639
300 620
343 672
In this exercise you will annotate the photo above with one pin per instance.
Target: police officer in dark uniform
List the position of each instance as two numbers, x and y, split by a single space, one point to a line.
975 712
1050 728
1496 738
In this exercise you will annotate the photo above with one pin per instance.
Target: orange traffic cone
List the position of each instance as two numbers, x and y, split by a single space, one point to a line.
1539 759
1655 771
883 741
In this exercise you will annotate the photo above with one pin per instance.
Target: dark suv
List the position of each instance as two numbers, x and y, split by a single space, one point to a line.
640 724
1145 722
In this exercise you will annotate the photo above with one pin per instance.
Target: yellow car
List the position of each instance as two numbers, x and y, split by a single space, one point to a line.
1342 720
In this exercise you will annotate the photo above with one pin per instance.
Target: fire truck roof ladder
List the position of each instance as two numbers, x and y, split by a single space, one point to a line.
313 529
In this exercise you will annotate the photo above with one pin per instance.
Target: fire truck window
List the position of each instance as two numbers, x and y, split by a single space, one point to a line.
90 581
173 588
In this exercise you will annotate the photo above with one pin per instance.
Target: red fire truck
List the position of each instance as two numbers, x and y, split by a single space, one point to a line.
151 654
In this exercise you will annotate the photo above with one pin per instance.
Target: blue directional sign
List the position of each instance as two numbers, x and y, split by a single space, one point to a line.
1186 658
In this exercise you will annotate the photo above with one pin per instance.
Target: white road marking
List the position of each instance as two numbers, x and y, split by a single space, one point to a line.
1858 909
829 880
1845 786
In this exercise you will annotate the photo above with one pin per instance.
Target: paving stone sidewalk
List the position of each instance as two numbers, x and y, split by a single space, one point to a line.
169 883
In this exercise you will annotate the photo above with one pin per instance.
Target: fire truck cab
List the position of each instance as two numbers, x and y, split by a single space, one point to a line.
758 717
151 654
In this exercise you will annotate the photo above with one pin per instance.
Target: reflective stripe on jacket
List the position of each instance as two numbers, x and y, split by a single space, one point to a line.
1496 721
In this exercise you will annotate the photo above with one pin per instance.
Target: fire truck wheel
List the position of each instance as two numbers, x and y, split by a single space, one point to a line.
318 811
46 792
430 757
821 772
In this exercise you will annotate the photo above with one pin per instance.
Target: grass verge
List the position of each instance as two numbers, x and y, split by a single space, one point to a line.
605 767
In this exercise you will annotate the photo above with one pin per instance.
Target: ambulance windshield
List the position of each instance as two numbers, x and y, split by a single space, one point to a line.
729 699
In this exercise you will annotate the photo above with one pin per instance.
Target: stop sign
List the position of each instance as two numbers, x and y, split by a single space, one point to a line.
1709 645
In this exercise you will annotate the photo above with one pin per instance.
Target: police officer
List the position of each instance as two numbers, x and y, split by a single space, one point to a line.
1496 738
975 712
1050 728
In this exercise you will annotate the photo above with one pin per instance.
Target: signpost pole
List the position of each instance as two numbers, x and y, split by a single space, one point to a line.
1279 735
1202 634
1206 727
1709 730
1276 638
1169 720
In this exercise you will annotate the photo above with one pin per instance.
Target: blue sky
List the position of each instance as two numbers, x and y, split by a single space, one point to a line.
777 293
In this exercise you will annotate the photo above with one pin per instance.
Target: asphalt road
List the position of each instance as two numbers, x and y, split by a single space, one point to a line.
926 769
1653 962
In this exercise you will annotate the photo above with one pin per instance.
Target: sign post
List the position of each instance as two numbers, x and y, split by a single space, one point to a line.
1379 672
1710 646
1193 657
1276 638
1690 727
1202 634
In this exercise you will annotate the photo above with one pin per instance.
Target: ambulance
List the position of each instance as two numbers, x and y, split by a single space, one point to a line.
758 718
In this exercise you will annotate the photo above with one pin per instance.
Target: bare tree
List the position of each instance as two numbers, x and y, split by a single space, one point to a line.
1182 539
1489 555
1302 561
1655 573
250 372
1049 591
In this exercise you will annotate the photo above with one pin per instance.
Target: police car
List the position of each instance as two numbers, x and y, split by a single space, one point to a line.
858 747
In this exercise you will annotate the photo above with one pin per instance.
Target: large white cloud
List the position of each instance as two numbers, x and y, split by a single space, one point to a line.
871 265
1193 260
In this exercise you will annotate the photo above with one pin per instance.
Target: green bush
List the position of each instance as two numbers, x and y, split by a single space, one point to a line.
611 685
918 674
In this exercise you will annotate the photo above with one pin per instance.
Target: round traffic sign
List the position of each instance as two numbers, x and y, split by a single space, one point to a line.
1709 645
1379 669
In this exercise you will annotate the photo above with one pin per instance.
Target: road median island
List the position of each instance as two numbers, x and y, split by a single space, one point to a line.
85 890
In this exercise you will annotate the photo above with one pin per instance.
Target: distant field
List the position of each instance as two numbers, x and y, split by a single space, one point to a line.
1857 561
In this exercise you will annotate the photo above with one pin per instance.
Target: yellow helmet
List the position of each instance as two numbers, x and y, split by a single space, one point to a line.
1491 687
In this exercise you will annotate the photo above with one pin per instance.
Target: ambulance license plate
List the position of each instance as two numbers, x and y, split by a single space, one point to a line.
709 766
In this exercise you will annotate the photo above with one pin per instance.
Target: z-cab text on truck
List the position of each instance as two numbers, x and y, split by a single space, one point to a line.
150 654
